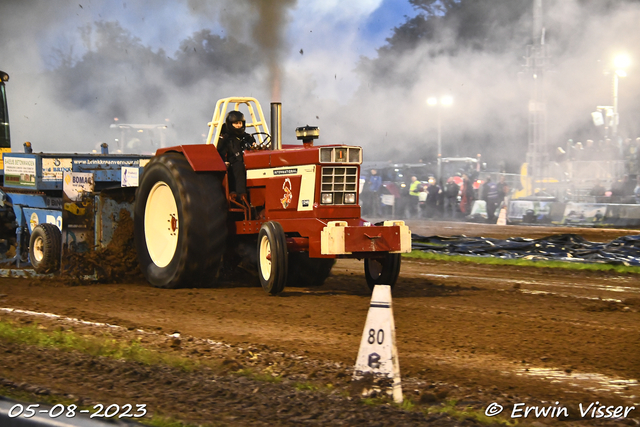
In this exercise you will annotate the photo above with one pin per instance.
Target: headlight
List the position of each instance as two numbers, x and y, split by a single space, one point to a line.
327 198
341 155
349 198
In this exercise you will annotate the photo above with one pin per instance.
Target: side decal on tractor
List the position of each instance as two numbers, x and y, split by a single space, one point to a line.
288 196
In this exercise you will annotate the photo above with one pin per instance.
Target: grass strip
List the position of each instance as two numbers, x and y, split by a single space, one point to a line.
569 265
107 346
451 409
104 346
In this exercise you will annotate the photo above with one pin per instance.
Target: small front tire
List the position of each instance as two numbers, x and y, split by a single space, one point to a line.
383 270
273 259
45 247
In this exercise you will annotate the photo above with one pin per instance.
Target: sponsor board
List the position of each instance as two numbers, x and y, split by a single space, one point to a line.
584 213
75 184
518 209
130 176
53 169
20 171
112 162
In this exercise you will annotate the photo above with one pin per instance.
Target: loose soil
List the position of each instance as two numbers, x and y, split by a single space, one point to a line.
473 334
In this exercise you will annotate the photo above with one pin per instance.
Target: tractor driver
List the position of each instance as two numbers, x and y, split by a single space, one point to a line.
231 145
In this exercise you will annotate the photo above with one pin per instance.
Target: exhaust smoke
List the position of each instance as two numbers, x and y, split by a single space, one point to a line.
269 35
260 22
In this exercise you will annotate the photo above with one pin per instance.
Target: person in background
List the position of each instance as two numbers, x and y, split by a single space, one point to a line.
414 197
492 198
467 195
636 191
451 191
503 188
422 200
375 187
598 189
635 168
433 194
622 188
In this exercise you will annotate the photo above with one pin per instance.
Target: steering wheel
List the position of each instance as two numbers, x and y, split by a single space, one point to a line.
265 144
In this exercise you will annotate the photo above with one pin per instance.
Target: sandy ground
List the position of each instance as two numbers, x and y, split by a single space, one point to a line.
471 333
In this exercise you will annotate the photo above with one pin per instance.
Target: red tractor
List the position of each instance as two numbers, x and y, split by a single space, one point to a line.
303 211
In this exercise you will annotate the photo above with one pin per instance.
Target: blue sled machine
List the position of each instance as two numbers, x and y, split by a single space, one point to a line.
55 206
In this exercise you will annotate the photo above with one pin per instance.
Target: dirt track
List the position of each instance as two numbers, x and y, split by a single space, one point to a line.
476 334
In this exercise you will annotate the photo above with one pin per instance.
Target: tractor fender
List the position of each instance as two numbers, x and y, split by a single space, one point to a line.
201 157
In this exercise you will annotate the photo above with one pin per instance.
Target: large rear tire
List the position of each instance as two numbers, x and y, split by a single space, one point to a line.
305 271
273 258
180 224
45 247
382 271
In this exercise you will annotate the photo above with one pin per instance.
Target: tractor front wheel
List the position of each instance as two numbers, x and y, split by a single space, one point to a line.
180 224
272 257
382 271
45 247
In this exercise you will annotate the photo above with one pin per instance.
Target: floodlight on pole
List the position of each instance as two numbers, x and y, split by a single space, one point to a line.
620 62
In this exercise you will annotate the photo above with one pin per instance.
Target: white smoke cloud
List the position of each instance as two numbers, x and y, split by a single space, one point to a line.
389 117
491 91
42 36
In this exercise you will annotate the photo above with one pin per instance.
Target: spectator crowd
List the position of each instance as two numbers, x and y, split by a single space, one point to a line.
427 199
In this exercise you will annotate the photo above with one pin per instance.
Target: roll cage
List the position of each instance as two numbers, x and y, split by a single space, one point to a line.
257 122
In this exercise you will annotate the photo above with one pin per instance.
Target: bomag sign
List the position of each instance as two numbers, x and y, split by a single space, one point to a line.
75 184
82 180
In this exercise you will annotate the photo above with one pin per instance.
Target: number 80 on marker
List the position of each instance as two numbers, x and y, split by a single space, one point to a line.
376 337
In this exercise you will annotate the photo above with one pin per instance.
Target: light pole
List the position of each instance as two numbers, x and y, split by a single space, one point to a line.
621 62
443 101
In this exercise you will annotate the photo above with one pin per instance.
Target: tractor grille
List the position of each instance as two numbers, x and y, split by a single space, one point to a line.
339 181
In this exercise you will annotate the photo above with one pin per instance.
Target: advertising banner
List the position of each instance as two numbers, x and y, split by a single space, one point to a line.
20 171
77 183
584 213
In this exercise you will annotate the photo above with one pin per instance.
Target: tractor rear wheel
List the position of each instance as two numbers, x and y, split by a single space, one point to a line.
382 271
180 224
45 247
305 271
273 258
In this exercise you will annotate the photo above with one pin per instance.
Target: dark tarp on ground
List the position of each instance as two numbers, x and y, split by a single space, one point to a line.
566 247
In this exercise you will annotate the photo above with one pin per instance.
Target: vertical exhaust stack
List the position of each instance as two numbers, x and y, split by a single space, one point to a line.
276 126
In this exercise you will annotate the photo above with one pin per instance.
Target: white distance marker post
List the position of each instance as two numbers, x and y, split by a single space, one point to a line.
378 354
